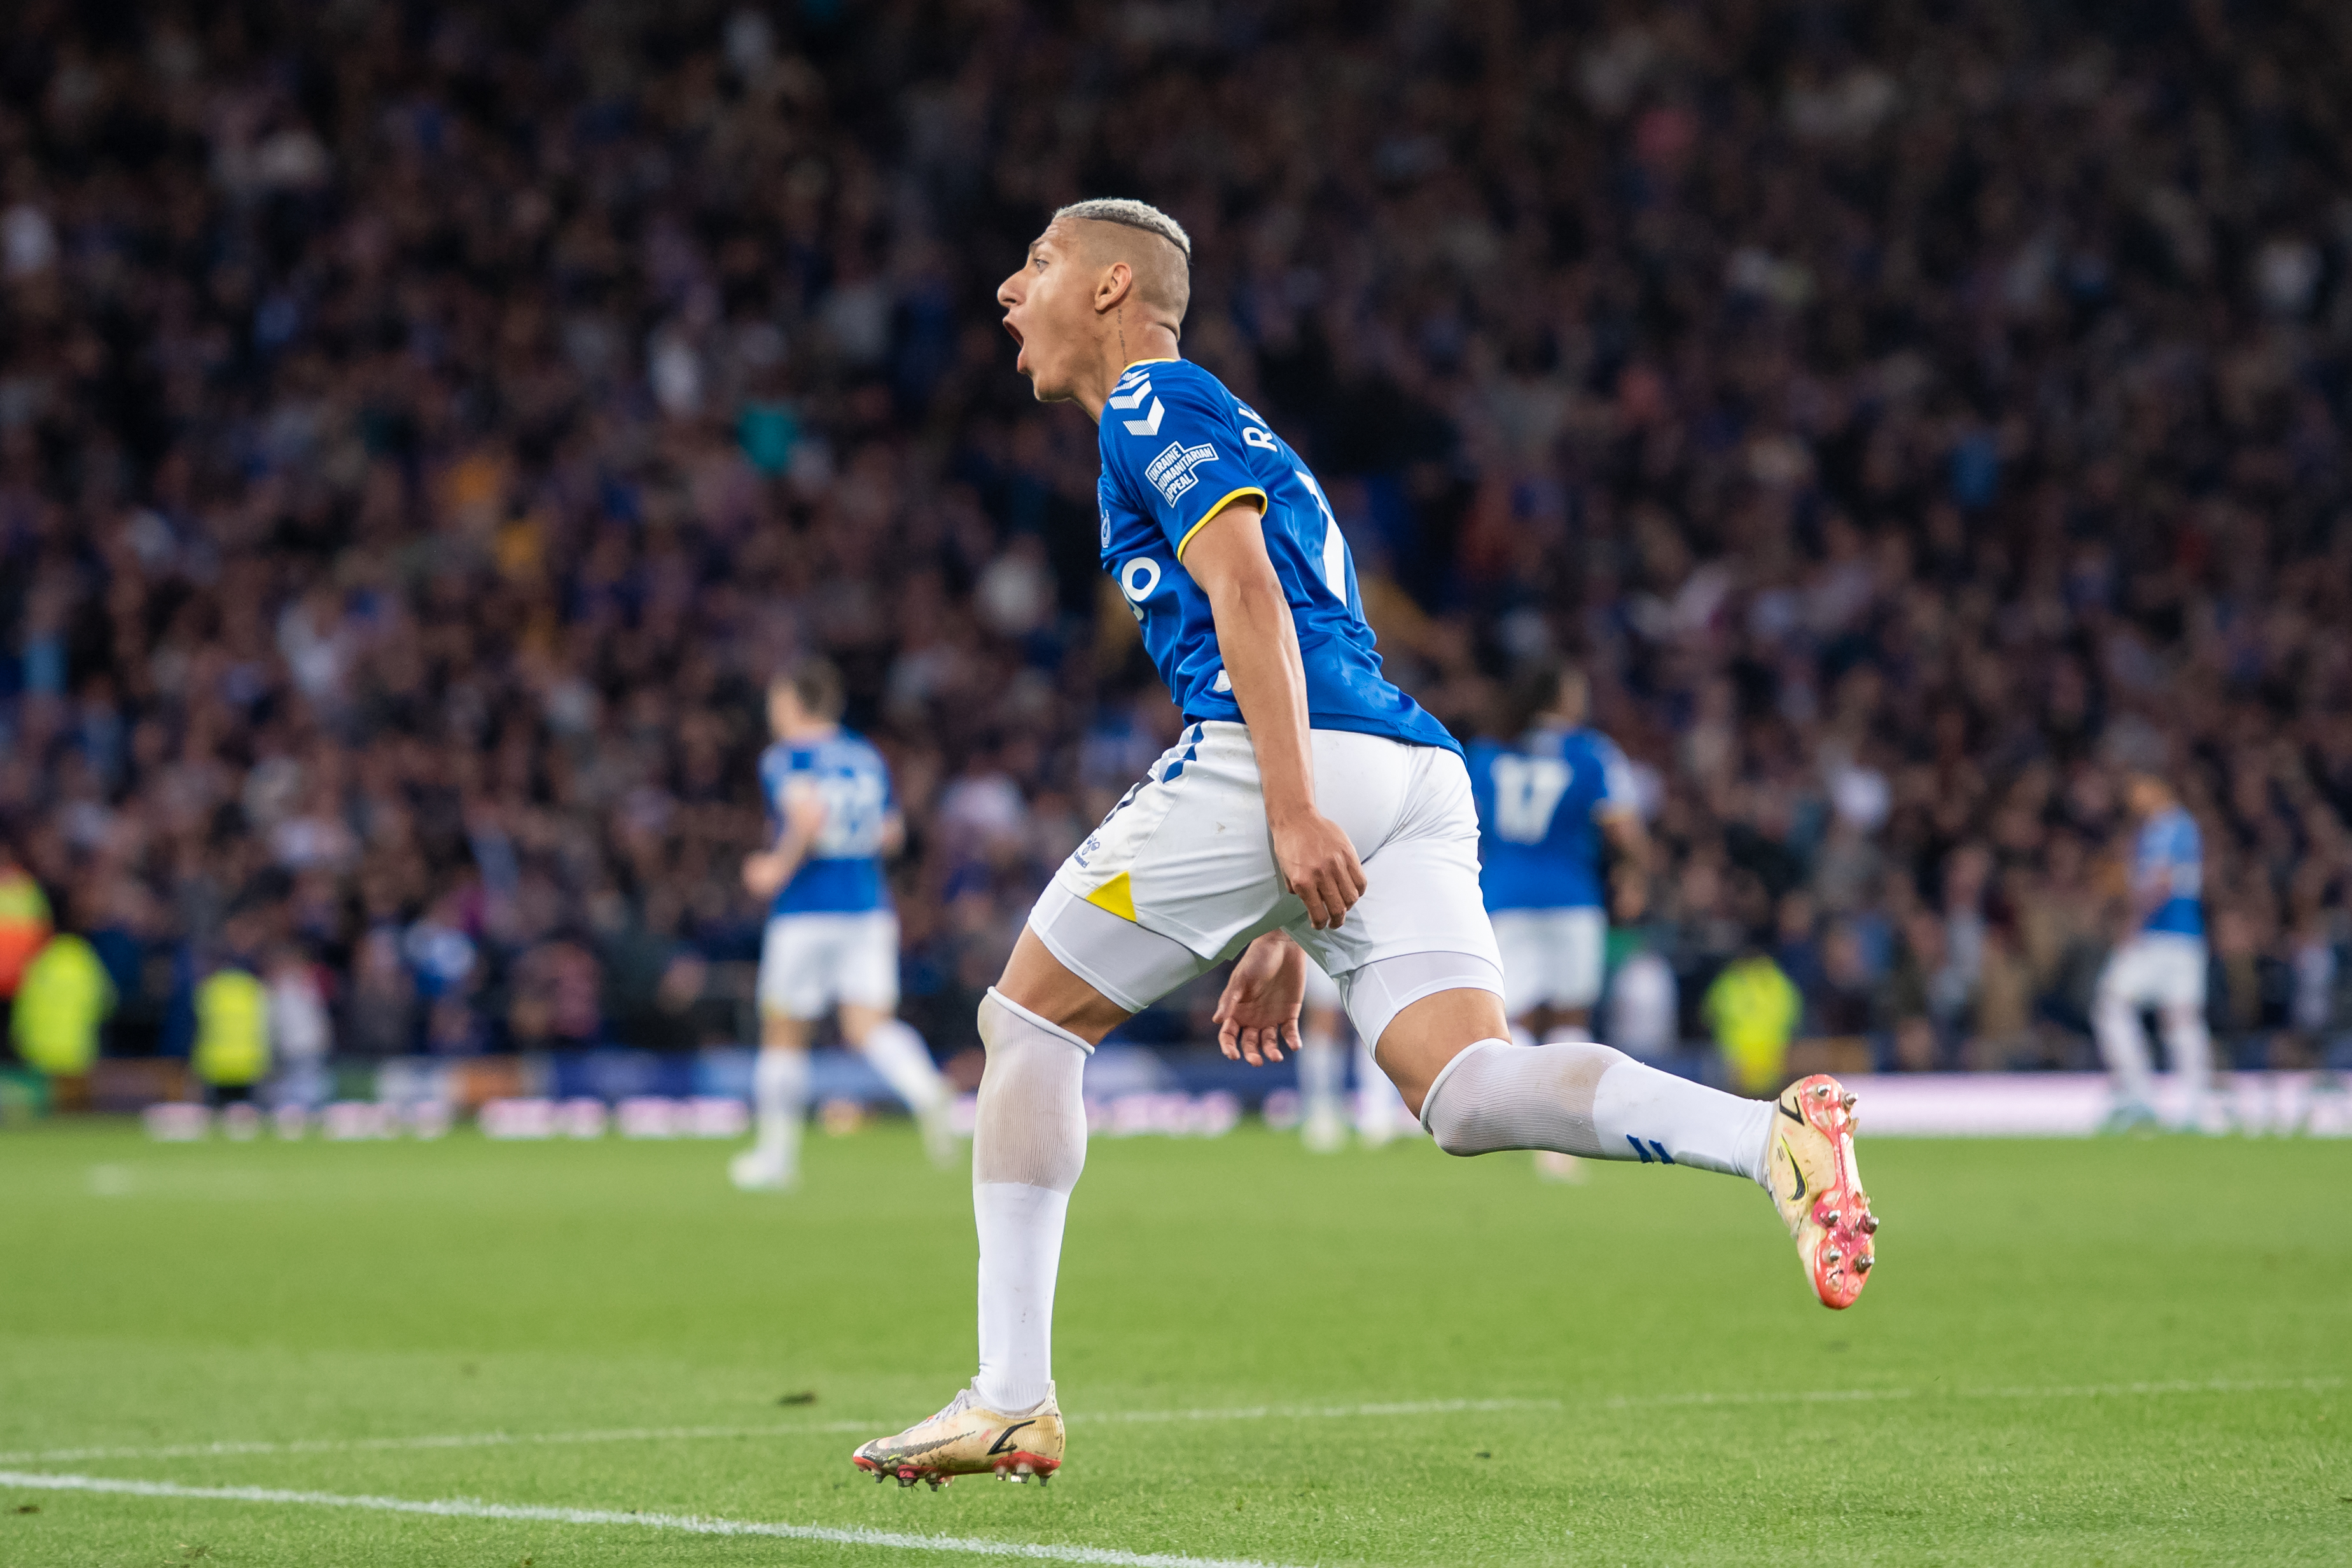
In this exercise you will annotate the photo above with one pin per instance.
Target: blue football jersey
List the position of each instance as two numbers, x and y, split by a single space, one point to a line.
2168 858
842 873
1177 449
1539 805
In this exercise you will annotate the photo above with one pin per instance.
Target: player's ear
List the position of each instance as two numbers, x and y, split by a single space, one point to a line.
1117 282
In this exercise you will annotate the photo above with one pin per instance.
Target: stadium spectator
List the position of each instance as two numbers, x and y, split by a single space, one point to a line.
424 428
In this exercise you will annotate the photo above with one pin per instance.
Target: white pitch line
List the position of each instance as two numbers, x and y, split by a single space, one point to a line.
693 1524
1241 1412
2182 1385
436 1440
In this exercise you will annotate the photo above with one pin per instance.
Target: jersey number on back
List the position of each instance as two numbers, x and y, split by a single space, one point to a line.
852 815
1527 792
1333 558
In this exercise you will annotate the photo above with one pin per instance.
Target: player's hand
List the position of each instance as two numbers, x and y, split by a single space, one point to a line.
760 878
1258 1014
1318 864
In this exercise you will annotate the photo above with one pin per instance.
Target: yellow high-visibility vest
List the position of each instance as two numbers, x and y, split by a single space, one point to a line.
231 1030
64 996
1753 1009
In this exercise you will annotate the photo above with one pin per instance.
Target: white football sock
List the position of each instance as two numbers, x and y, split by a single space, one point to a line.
902 1058
1590 1100
1318 1076
1028 1147
2123 1045
2190 1046
780 1082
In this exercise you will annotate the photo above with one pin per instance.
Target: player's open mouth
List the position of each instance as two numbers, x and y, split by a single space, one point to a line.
1023 343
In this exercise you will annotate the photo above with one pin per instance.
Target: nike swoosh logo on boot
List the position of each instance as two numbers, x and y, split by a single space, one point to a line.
1798 1195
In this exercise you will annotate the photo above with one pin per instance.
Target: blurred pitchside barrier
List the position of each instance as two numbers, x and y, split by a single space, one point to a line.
1130 1092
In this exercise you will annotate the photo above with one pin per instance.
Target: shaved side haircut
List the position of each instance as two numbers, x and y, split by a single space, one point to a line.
1163 283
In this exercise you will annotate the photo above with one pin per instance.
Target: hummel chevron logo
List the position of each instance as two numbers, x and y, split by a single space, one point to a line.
1134 398
1150 424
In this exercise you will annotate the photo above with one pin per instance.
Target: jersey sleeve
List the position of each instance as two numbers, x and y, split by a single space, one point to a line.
1176 450
775 767
1613 790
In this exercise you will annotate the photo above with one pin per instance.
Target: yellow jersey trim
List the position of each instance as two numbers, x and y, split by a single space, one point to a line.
1227 499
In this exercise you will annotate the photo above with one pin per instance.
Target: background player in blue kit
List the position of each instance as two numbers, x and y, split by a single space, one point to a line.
2161 964
833 938
1307 804
1552 800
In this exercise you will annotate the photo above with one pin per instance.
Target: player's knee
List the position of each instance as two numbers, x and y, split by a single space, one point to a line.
1455 1140
1458 1108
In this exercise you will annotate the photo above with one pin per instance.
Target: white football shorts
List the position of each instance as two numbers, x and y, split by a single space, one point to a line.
1552 957
810 963
2164 969
1186 855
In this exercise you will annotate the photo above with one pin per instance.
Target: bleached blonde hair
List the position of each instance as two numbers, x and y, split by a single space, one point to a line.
1134 215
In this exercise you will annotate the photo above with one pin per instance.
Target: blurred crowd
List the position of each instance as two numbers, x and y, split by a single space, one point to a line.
425 426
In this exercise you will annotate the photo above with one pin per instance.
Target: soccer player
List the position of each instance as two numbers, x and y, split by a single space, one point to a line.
833 939
2161 965
1322 1125
1323 1121
1547 800
1306 804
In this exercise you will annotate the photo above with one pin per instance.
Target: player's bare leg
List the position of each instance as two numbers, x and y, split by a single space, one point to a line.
1028 1147
896 1052
779 1081
1477 1093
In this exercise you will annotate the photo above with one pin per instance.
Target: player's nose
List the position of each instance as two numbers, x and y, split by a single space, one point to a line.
1008 293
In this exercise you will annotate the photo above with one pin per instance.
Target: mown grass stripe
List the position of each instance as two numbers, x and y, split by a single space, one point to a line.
692 1524
1371 1411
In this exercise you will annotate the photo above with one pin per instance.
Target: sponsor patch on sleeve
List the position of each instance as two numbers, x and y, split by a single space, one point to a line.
1171 472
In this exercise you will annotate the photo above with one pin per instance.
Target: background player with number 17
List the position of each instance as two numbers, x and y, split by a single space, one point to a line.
832 941
1547 799
1307 804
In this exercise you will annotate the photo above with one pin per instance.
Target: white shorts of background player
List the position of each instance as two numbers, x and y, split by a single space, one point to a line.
2164 970
809 964
2157 969
1186 856
1551 958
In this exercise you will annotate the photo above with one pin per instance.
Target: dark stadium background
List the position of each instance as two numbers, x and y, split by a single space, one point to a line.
423 428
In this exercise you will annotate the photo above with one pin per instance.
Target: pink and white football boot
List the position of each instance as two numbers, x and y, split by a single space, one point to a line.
1818 1190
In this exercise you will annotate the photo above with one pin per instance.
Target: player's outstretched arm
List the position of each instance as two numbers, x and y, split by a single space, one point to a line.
1258 1014
1259 645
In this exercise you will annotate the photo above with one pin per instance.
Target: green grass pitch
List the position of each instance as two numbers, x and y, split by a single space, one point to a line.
2074 1352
